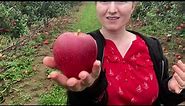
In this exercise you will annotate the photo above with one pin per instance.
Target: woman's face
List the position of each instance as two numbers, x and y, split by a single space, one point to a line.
114 15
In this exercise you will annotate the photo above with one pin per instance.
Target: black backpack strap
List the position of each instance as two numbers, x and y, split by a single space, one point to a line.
159 60
100 40
166 97
96 94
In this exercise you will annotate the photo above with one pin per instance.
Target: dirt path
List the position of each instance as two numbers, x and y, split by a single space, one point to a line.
28 90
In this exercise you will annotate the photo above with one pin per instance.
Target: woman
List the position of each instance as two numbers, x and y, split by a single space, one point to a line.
130 68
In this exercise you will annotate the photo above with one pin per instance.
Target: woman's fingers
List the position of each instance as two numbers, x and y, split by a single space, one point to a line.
96 69
74 84
181 65
49 61
59 78
178 79
86 79
179 75
179 72
173 85
68 83
180 82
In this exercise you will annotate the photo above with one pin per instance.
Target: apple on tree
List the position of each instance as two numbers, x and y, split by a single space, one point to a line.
74 52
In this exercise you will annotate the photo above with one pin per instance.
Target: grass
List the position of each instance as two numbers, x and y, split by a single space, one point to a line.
56 96
85 21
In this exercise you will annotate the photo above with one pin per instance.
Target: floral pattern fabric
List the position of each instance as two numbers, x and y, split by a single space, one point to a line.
131 79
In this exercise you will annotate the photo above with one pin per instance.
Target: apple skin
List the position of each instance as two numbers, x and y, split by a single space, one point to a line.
74 52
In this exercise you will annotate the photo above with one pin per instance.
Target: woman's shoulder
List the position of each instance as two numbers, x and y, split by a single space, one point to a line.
147 39
94 32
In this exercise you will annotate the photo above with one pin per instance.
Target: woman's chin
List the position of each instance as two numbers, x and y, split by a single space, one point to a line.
113 28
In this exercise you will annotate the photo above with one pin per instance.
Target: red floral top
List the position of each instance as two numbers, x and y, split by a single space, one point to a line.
131 79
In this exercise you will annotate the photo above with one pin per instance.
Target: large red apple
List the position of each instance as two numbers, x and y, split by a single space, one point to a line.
74 52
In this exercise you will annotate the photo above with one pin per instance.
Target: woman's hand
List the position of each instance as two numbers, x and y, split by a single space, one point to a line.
73 84
177 82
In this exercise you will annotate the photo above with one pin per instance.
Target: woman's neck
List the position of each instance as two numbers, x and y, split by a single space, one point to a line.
122 39
118 35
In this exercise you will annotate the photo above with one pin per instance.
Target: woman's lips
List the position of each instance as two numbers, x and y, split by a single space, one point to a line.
112 18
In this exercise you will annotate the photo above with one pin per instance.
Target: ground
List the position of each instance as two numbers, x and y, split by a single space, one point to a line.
27 91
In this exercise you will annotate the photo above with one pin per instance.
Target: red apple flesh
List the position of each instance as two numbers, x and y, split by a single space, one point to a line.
74 52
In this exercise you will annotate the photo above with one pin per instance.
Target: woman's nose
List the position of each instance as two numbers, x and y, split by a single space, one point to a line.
112 8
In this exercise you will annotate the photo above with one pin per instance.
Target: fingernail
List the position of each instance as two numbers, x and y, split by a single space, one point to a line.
179 61
49 76
180 91
71 84
99 62
174 66
83 77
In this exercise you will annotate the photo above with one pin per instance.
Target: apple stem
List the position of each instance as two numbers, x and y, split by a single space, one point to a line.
78 32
